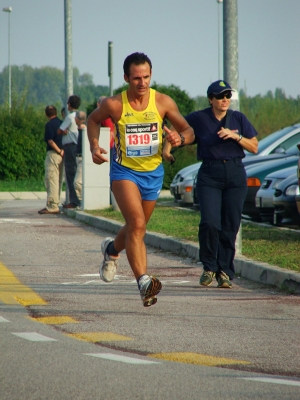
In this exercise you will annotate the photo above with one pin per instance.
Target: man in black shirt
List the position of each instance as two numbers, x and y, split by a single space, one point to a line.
53 162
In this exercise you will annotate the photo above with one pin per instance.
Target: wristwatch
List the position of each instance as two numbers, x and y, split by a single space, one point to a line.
182 139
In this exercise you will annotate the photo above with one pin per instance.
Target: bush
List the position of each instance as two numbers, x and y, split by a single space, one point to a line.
22 146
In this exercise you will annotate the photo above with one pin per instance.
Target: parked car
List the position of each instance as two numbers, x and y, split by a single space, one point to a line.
256 174
284 200
182 185
277 145
298 174
292 151
264 195
278 142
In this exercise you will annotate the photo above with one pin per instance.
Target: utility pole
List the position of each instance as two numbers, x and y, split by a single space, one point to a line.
219 39
110 67
9 10
68 51
111 93
231 57
231 67
68 62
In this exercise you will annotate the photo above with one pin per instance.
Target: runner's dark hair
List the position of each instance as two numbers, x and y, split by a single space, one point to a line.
137 59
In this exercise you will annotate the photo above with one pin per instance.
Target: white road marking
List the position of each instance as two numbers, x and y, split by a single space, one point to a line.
274 380
117 279
19 221
3 319
118 358
34 337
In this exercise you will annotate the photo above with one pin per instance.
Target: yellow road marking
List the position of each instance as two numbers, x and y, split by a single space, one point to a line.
12 291
196 358
55 320
98 336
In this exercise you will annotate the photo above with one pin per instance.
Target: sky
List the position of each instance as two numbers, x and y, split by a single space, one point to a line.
181 37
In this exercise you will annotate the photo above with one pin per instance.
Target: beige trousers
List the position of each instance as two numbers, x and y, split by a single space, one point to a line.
78 178
53 179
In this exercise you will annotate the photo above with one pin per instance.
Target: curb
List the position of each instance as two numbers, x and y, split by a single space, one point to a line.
255 271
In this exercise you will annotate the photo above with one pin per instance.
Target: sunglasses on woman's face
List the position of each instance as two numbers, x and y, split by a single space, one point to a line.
221 96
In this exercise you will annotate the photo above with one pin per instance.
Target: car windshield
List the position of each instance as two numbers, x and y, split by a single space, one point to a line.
268 140
265 142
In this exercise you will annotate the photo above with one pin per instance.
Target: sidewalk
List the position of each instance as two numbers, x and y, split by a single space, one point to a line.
247 268
26 195
43 195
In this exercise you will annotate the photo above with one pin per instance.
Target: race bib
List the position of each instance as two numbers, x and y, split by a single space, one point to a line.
141 140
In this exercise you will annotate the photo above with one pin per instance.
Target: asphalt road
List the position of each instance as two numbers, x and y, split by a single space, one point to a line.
66 334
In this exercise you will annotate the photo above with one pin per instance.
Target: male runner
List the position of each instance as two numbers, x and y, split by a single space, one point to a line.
136 171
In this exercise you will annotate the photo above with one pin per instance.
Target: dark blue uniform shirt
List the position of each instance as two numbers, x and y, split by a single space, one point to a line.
209 144
51 128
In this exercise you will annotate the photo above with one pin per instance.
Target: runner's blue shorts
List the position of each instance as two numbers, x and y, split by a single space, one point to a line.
148 183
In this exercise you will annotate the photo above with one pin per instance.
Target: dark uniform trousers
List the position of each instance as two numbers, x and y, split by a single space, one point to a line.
221 190
70 154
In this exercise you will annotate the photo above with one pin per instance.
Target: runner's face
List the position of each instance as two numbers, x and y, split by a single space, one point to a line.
139 78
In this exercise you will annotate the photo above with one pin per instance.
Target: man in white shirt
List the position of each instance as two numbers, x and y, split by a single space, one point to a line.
69 131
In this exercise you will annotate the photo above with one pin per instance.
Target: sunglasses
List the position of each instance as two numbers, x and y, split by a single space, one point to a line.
221 96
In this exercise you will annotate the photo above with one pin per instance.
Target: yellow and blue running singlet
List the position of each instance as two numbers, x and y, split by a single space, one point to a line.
138 139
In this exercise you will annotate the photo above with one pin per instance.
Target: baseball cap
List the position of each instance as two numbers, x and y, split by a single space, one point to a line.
218 87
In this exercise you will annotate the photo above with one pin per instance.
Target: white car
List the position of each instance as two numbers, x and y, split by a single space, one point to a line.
182 185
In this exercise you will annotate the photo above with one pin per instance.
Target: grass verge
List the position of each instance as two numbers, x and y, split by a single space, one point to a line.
24 185
271 245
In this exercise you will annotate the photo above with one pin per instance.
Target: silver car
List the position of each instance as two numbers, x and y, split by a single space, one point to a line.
284 200
278 142
264 195
182 185
298 175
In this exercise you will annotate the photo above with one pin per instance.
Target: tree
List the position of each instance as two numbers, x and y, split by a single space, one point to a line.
45 85
184 102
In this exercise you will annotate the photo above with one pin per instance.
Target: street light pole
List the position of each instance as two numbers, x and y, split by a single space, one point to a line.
68 52
219 39
110 68
9 10
231 67
68 62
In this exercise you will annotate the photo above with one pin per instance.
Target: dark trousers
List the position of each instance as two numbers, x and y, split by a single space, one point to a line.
70 152
221 190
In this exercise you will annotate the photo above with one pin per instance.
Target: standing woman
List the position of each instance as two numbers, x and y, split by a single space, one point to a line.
221 182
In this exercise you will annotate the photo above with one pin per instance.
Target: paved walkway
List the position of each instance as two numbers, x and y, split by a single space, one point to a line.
43 195
247 268
26 195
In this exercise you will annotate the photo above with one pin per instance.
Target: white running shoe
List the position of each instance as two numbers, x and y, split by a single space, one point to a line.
149 290
109 265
